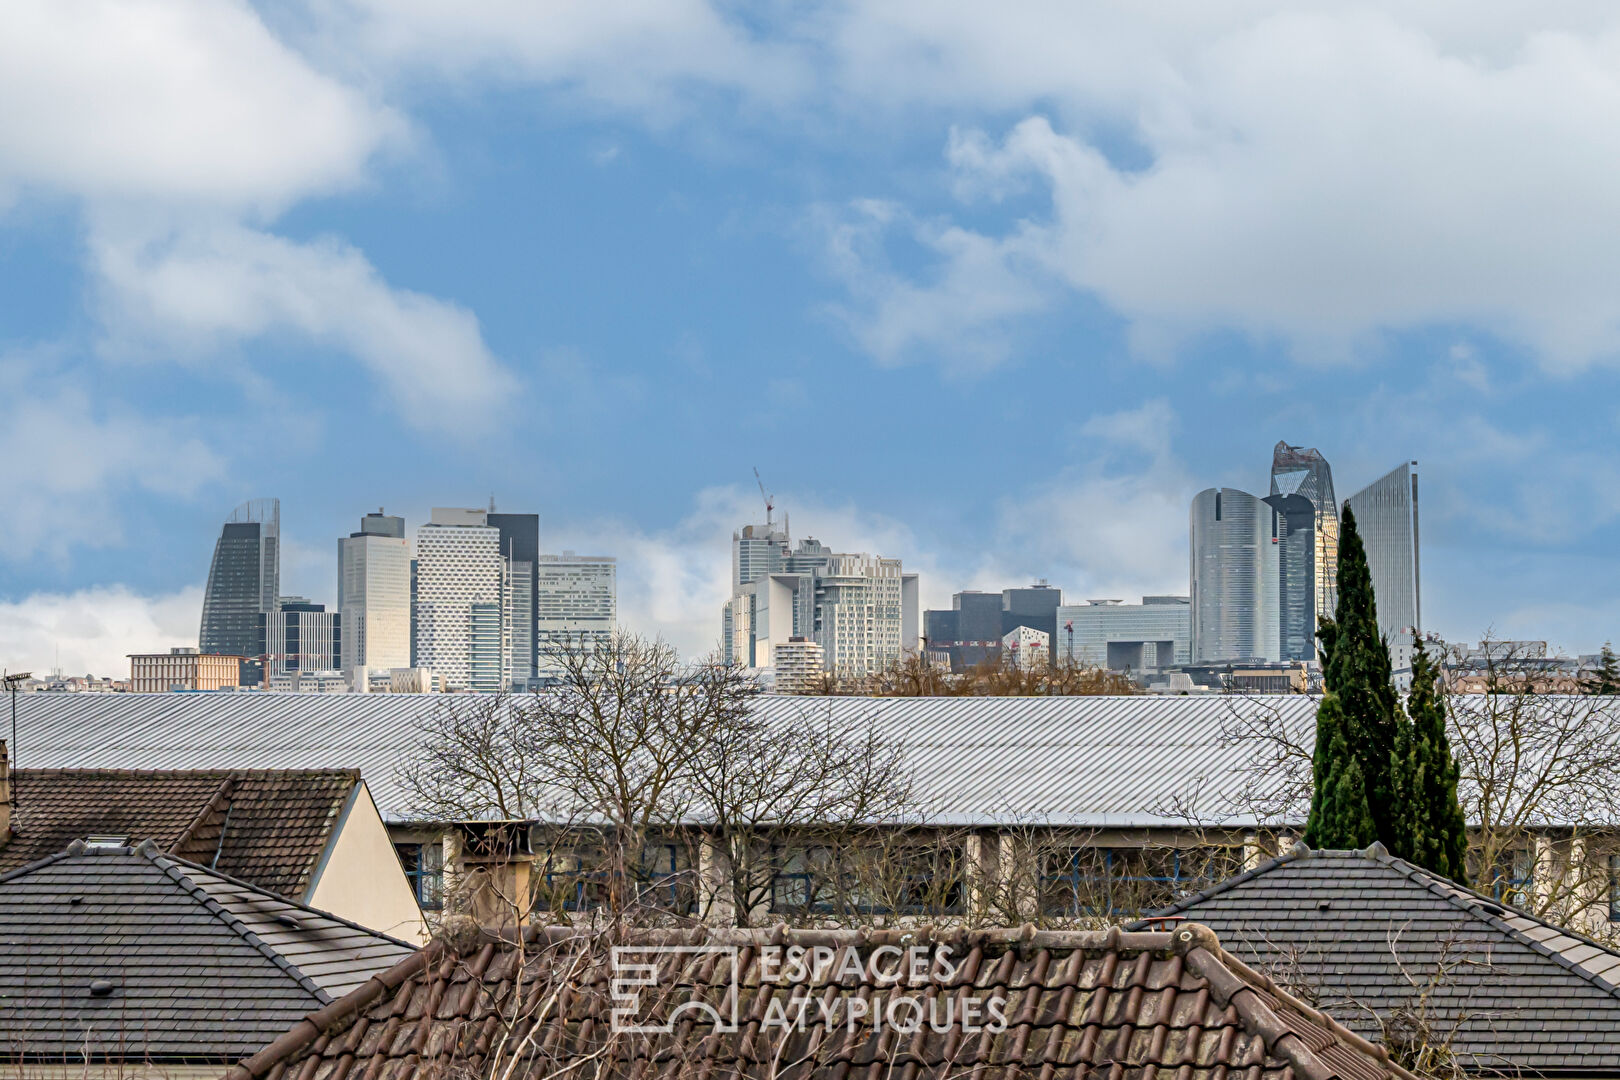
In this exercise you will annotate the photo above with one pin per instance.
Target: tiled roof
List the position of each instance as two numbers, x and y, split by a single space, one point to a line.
268 827
1086 761
1127 1006
1510 990
196 966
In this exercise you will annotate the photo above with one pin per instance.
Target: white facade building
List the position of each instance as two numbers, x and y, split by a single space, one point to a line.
301 636
861 609
576 603
799 666
374 595
1155 634
462 610
1026 647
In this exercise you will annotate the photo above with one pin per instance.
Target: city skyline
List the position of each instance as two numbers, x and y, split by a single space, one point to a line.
1002 318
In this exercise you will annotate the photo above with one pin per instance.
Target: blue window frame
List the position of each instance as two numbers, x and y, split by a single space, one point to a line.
1513 877
805 883
424 869
574 880
1130 881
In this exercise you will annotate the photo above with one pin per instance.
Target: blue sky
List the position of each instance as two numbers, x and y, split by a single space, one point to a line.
993 288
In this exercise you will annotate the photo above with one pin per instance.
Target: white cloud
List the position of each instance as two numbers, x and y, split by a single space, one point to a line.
1315 174
646 55
1116 525
92 630
68 454
208 286
189 100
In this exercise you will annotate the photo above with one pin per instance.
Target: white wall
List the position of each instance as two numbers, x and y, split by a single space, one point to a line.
360 878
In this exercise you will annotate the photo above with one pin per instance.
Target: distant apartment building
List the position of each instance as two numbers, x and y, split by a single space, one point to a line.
183 669
970 632
1146 637
799 666
374 595
461 598
244 580
577 605
301 636
863 610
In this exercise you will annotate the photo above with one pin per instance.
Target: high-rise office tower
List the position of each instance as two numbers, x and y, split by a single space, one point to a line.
243 581
1235 578
374 595
1386 513
863 610
302 636
1298 471
1293 528
520 546
578 603
462 609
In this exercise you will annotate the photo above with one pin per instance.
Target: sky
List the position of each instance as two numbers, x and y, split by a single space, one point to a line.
991 288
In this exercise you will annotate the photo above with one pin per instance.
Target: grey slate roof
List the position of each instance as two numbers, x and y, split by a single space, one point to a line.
201 967
1086 761
1518 993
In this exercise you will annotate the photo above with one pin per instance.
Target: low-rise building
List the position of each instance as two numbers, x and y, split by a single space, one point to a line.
139 963
311 835
1000 1002
1493 989
183 669
1138 638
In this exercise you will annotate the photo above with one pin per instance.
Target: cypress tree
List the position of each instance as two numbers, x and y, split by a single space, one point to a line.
1605 678
1441 833
1341 816
1356 669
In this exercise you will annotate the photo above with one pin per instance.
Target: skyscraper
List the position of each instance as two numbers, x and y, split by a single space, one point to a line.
374 595
862 609
971 631
1298 471
1386 513
520 546
302 636
243 581
578 603
1293 527
462 633
1235 578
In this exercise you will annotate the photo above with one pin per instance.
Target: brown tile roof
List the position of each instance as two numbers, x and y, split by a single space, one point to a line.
268 827
1169 1004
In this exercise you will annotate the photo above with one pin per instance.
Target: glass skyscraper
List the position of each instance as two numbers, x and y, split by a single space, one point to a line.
1235 578
1298 471
1293 532
1386 512
244 581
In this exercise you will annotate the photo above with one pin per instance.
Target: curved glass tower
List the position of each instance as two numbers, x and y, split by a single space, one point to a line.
1235 578
243 580
1298 471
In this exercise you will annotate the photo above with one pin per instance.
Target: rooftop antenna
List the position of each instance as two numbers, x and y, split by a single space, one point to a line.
492 504
769 499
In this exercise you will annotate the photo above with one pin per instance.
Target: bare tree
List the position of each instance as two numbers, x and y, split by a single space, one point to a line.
656 788
914 675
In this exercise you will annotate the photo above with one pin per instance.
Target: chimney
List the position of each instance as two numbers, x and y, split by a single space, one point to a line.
5 793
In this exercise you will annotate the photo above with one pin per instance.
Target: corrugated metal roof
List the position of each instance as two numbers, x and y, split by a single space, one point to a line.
1084 761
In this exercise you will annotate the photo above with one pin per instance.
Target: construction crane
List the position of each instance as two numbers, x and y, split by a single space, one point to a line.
770 505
